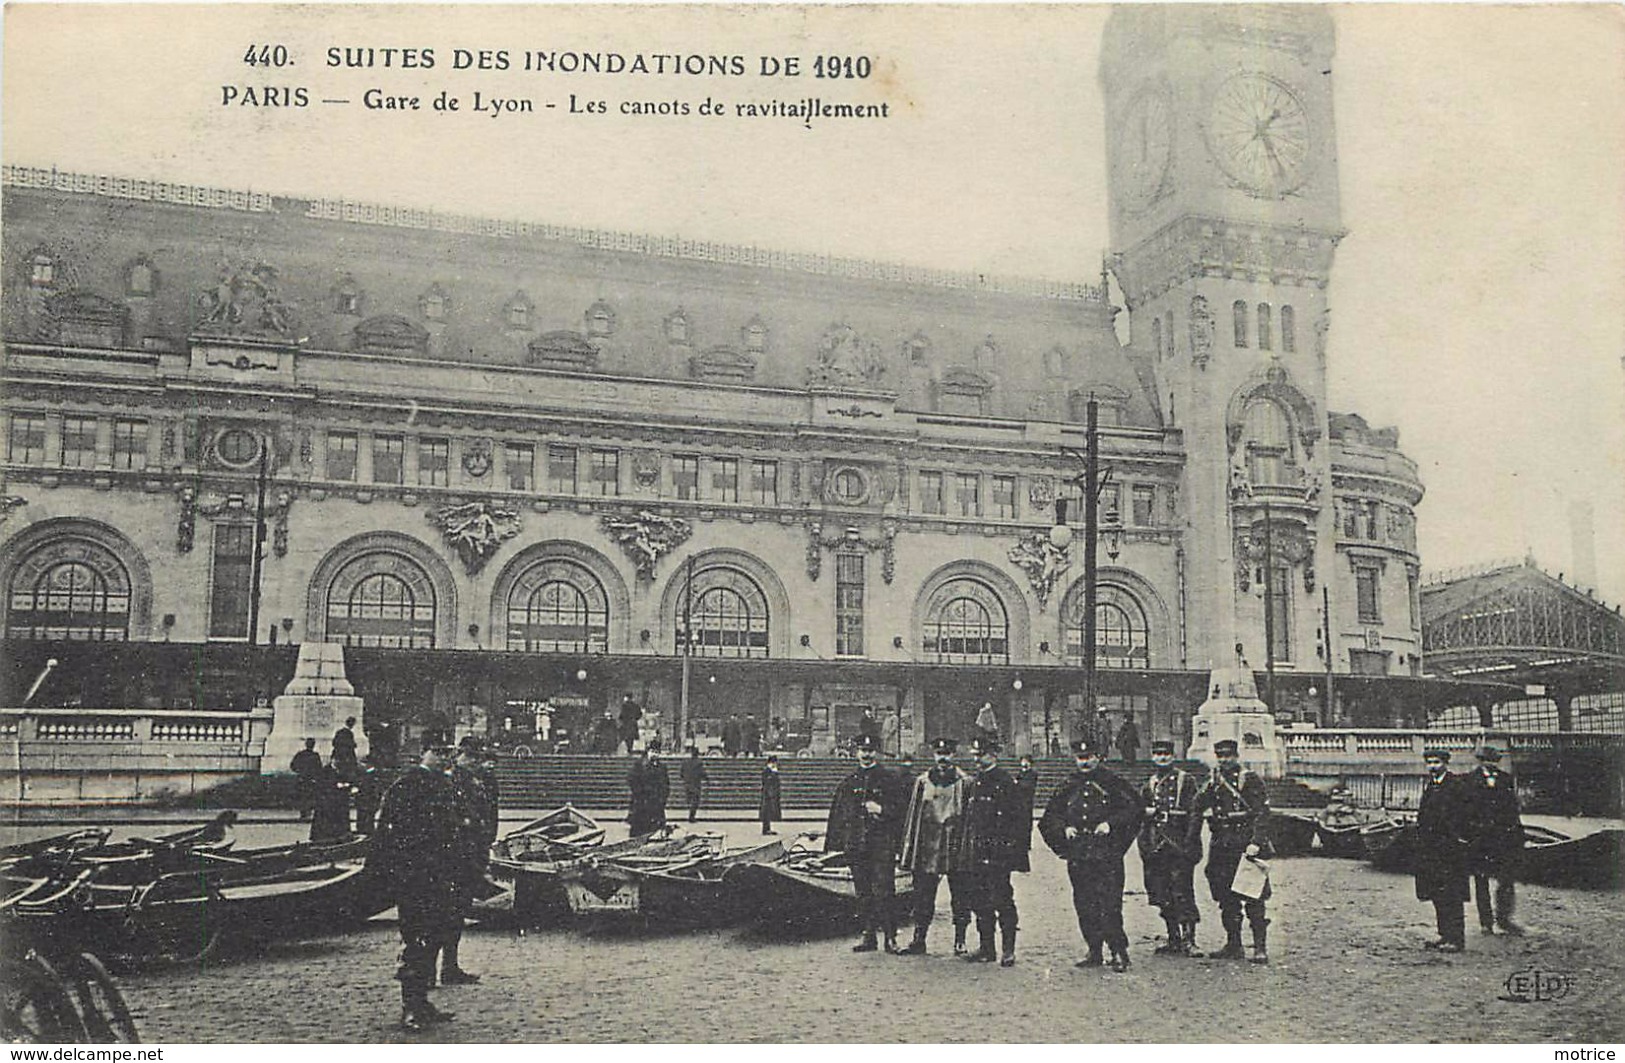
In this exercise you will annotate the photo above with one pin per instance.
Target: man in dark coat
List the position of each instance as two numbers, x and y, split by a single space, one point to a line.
369 791
1027 781
415 857
865 823
1238 807
1090 822
650 786
1442 825
933 837
767 807
1128 740
330 813
693 773
305 765
631 717
1171 847
750 732
343 758
998 834
1496 838
476 829
732 734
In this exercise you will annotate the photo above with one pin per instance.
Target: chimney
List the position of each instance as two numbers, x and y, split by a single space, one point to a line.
1583 543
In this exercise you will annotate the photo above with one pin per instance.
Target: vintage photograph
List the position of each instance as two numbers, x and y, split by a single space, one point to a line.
680 523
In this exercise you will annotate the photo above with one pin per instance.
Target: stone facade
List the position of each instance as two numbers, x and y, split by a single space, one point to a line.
494 454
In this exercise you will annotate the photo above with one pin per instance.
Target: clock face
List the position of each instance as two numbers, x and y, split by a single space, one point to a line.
1258 132
1144 139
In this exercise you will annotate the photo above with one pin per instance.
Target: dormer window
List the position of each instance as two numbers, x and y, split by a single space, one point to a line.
600 319
434 304
755 336
917 349
140 279
516 314
42 269
347 297
677 327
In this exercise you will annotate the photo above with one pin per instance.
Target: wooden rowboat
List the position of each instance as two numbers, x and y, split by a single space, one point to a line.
1590 861
807 891
1291 833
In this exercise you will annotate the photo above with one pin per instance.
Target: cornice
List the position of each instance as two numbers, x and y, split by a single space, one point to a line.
1195 245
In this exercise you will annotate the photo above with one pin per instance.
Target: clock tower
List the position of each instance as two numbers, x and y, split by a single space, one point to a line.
1222 165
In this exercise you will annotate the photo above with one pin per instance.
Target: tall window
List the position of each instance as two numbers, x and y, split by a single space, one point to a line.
1122 635
27 438
606 472
1004 497
519 461
728 613
434 462
1366 595
381 599
764 482
685 476
967 493
342 449
388 459
1281 613
1145 505
561 470
558 607
1156 335
231 583
129 444
1073 493
1413 598
1289 328
1110 501
965 622
1266 326
849 605
79 442
81 600
725 478
1238 322
931 500
1268 435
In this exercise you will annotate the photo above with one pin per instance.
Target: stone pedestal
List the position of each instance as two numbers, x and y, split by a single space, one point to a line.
314 705
1234 710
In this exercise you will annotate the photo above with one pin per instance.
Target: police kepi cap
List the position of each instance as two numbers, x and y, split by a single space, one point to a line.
1225 747
982 745
1435 752
1489 754
944 745
1162 745
1084 746
868 742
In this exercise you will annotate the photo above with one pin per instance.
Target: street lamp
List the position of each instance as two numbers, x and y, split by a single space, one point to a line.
1060 536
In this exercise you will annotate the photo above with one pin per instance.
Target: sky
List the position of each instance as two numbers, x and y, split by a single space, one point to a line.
1477 299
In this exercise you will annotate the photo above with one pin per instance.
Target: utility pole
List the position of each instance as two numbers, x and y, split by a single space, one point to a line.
1269 609
1326 613
1091 517
258 556
688 653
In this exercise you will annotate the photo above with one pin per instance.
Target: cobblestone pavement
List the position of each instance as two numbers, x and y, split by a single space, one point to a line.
1345 945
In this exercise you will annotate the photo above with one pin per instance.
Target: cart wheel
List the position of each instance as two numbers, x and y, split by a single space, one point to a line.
521 753
715 753
102 1007
35 1007
805 753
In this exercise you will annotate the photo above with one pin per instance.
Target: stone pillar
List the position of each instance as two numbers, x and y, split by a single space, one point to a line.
316 702
1486 714
1233 710
1565 710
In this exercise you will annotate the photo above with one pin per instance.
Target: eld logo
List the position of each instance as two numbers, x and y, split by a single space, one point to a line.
1532 985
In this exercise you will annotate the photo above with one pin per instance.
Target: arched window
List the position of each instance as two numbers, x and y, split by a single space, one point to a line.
1267 436
965 623
1156 335
1122 634
1289 324
1265 326
727 614
70 599
1238 321
381 600
558 607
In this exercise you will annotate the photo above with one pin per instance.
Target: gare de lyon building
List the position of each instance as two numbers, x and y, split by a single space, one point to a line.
518 469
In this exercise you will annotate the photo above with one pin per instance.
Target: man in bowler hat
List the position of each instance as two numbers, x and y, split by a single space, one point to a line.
1441 849
1496 840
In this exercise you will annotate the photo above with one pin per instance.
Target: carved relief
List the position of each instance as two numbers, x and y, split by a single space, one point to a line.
9 503
477 457
1042 492
845 360
213 504
243 300
474 530
646 537
851 538
646 468
1042 561
1201 331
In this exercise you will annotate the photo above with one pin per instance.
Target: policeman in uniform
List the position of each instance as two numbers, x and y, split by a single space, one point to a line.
933 837
998 834
476 830
1496 838
415 856
1090 822
1442 826
1237 807
1171 847
866 823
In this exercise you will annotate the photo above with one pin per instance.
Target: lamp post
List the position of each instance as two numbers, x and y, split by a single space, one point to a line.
688 654
1060 536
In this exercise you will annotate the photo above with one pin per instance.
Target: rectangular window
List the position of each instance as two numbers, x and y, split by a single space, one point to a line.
685 476
79 442
561 470
342 449
1281 613
967 494
1368 662
1004 497
1365 590
849 605
1072 493
1109 502
27 438
725 478
1413 598
764 483
1351 518
231 585
434 462
931 500
606 472
388 459
1145 505
519 460
129 444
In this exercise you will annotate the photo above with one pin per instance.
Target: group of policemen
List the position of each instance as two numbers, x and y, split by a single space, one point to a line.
430 849
974 828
